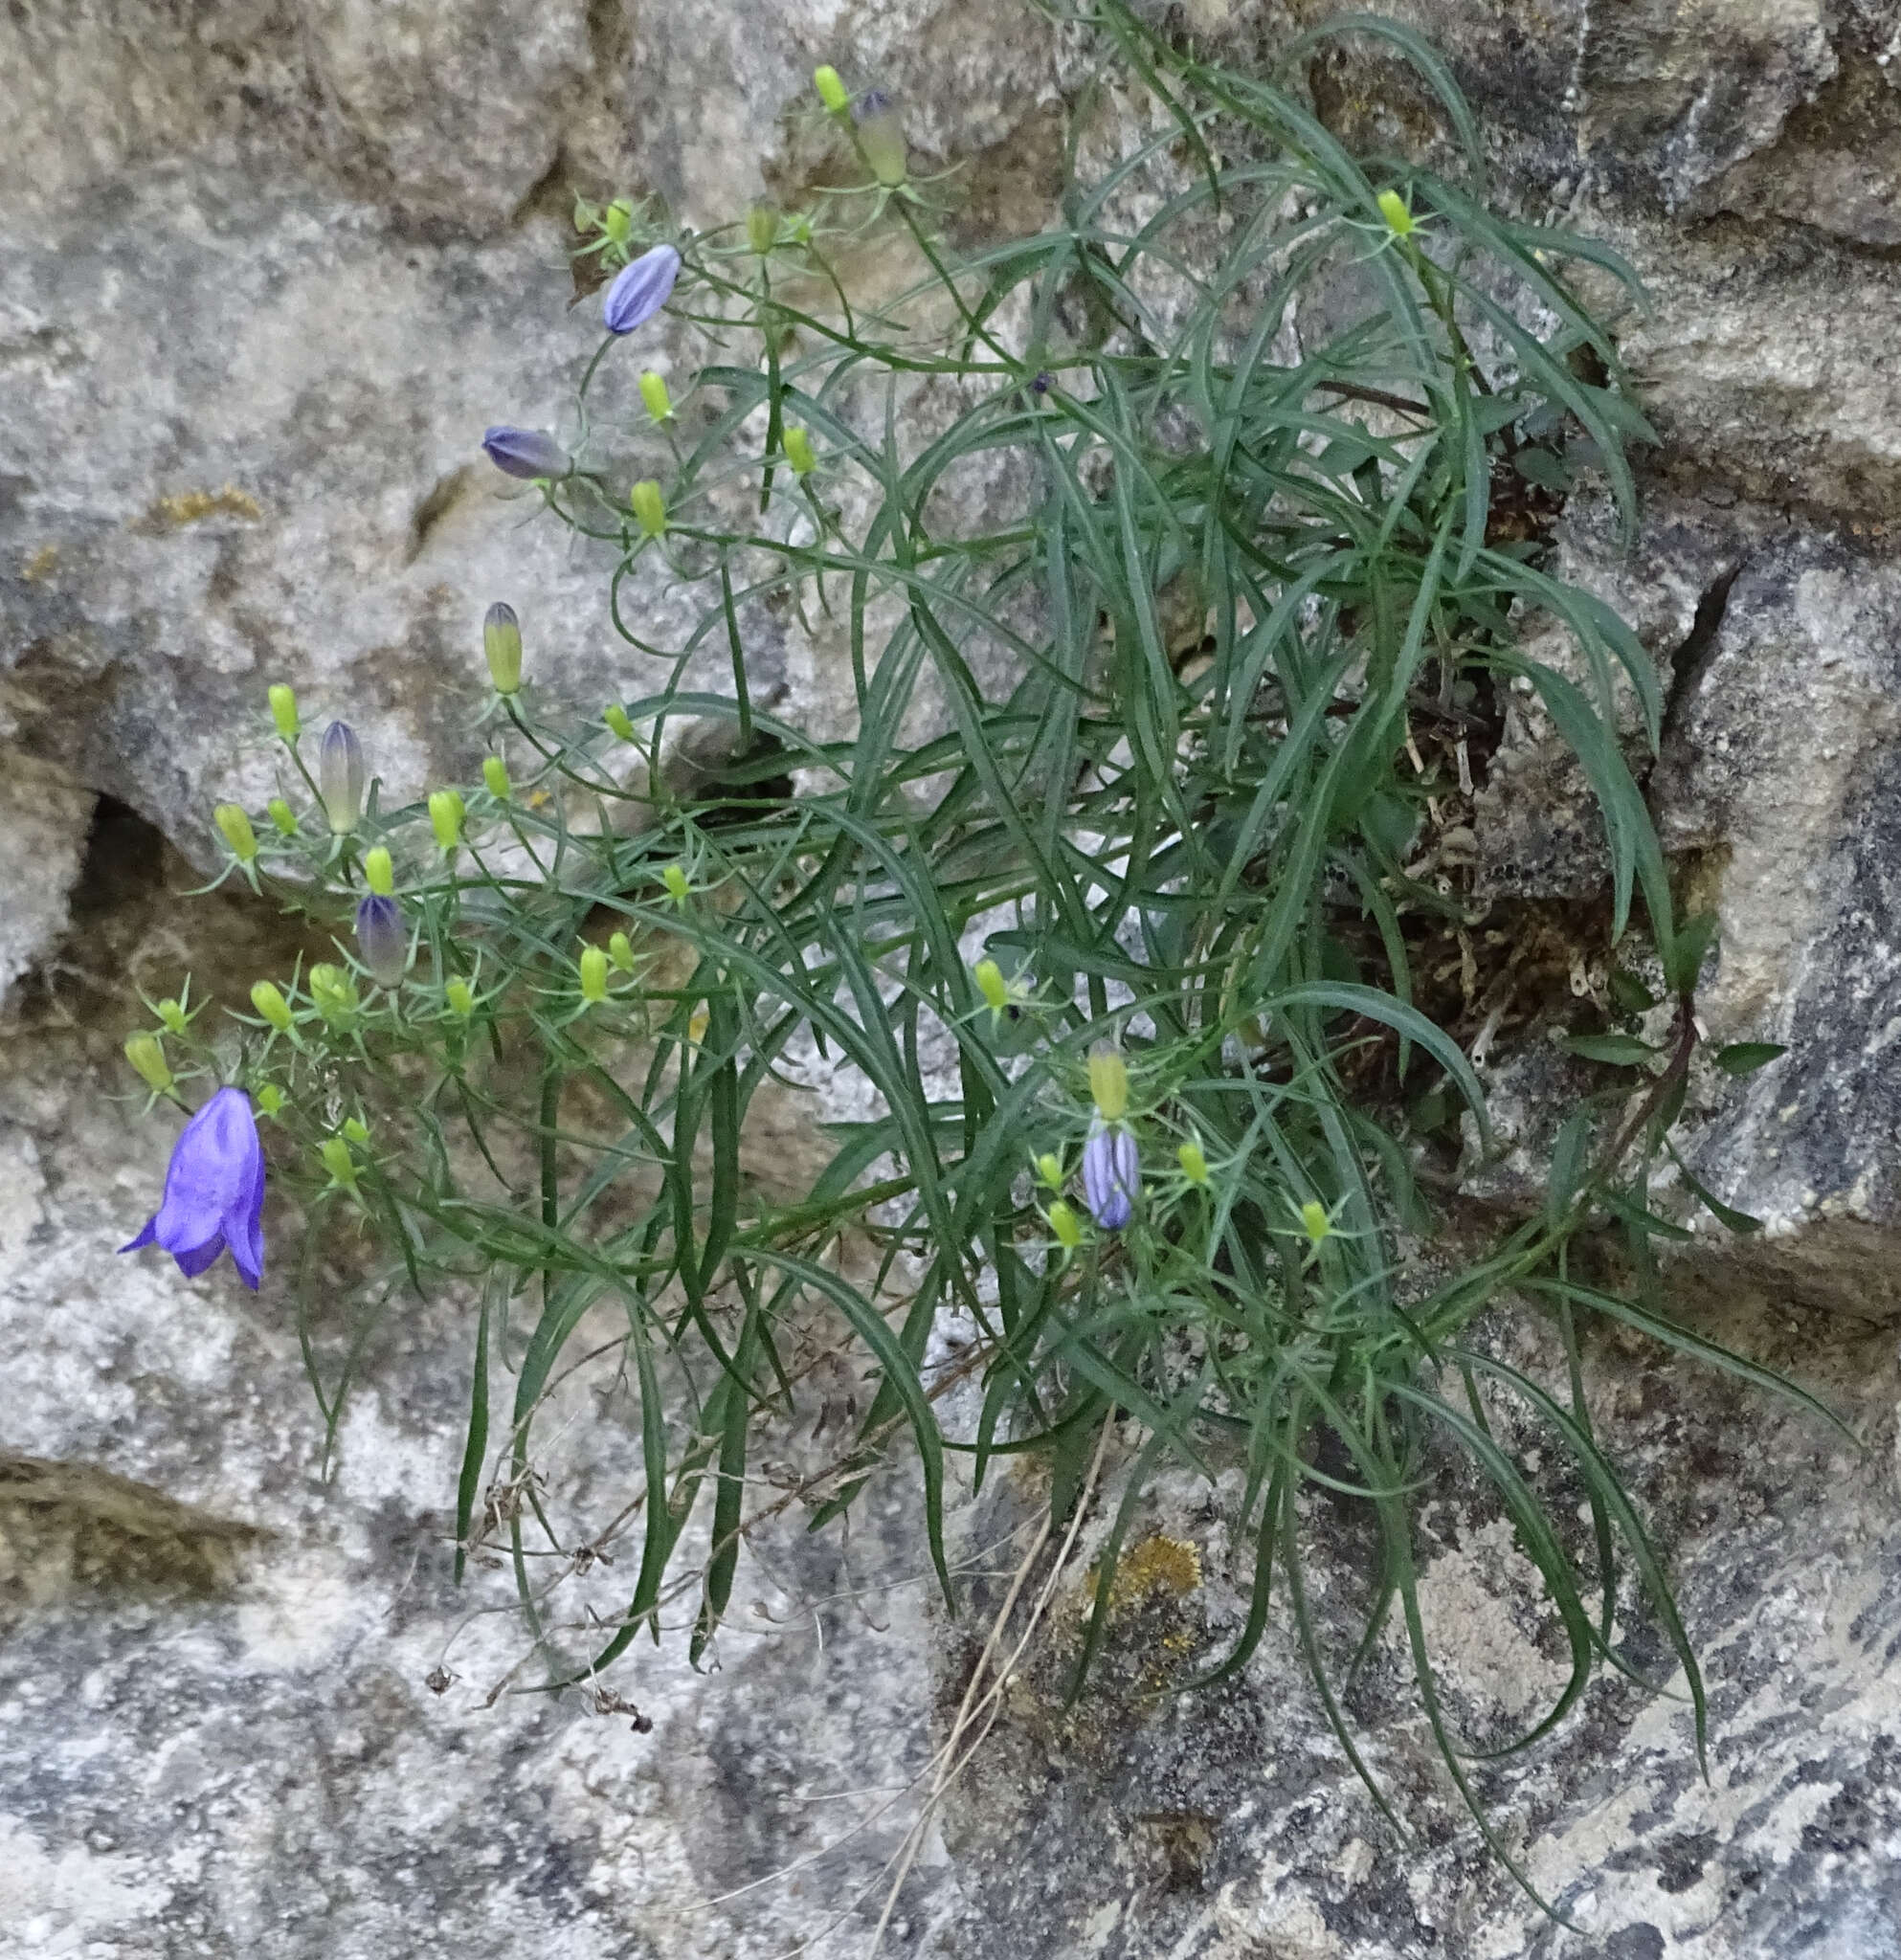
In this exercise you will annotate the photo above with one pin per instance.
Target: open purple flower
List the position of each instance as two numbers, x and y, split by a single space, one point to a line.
1111 1176
526 453
640 290
382 939
214 1192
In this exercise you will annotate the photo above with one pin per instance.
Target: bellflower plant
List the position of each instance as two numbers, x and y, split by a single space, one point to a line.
528 453
1175 643
213 1193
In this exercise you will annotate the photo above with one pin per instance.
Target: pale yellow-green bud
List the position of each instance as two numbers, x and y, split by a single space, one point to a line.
881 135
762 228
147 1054
992 985
236 830
355 1129
282 815
649 506
798 451
831 91
172 1014
1394 209
620 950
494 778
461 1002
1108 1082
332 989
1068 1226
594 974
272 1005
1313 1217
378 873
446 817
270 1100
1049 1170
615 718
338 1162
653 392
679 888
502 647
283 712
1193 1163
617 221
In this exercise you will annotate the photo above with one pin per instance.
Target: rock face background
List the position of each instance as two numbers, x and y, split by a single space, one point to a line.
269 271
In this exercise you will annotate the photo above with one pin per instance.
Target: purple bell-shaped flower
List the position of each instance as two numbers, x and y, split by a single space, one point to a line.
382 939
526 453
1111 1176
214 1192
640 290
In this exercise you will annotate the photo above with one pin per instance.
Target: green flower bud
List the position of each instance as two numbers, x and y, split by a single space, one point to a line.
594 974
446 811
1313 1217
272 1005
502 647
1394 209
283 712
831 91
617 221
798 451
378 873
1108 1082
653 392
147 1054
881 135
678 886
354 1130
762 229
282 815
333 991
338 1162
620 950
1049 1170
461 1002
1193 1163
235 826
1068 1226
494 778
649 506
172 1014
992 985
615 718
270 1100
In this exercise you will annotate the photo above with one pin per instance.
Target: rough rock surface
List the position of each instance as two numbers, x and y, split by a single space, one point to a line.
270 271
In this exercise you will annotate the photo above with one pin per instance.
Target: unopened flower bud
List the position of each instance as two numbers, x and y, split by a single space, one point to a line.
340 777
272 1005
147 1054
992 985
617 221
270 1100
527 454
282 815
620 950
355 1129
1108 1082
236 829
762 228
446 811
382 940
1111 1176
172 1014
593 973
679 888
1193 1163
1049 1170
461 1001
653 393
649 506
332 989
283 712
615 718
798 451
1394 209
501 645
494 778
379 874
831 91
1068 1226
1315 1219
338 1162
881 135
640 290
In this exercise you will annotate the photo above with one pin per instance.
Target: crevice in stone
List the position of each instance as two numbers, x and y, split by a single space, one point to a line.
549 195
1693 656
123 866
433 509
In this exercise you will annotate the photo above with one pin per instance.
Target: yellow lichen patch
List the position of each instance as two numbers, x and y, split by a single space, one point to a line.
40 565
1158 1563
189 505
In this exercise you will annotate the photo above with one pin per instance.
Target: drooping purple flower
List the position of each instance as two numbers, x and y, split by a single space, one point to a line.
1111 1176
526 453
382 939
641 289
213 1193
340 776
